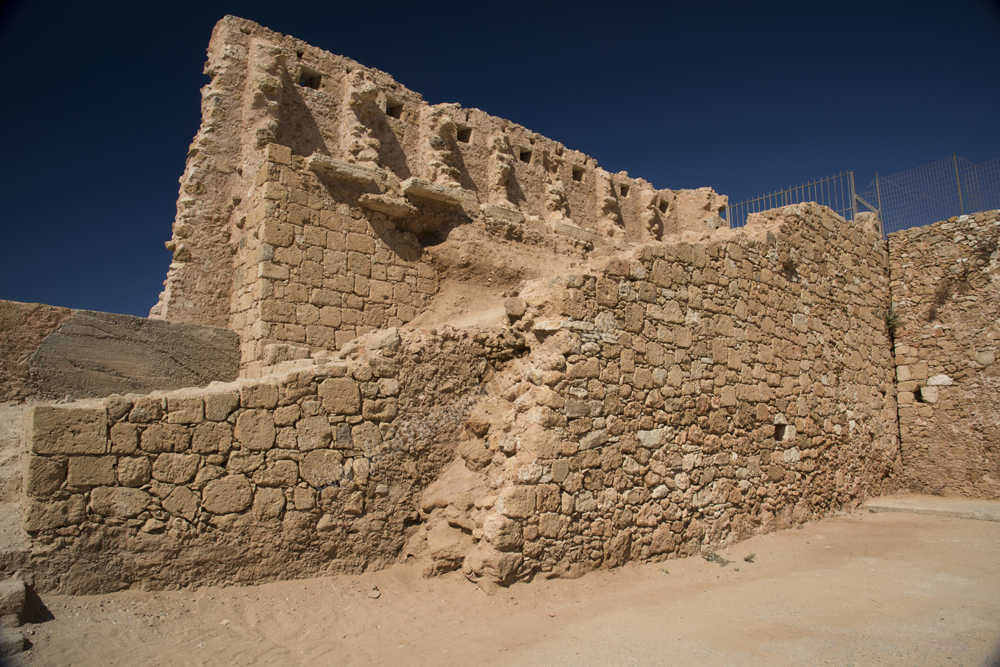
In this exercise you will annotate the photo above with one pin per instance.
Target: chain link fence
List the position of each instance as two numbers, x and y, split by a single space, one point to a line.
933 192
912 198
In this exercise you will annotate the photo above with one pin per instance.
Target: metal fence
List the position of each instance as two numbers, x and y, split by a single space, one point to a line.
836 192
933 192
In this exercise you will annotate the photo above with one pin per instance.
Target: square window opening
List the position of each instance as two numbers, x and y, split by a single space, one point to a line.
525 155
464 134
623 189
393 109
577 173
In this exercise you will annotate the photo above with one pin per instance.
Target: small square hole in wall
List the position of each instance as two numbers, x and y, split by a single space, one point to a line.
623 189
577 173
525 155
393 109
464 134
299 54
663 206
310 78
779 432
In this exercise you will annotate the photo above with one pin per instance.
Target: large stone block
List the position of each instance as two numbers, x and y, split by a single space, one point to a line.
74 431
227 495
212 438
340 396
134 471
519 501
43 476
99 354
160 438
49 514
322 467
313 433
116 501
175 468
182 502
255 429
91 471
218 406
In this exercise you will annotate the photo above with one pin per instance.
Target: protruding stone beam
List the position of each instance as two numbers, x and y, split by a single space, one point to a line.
343 171
419 188
393 207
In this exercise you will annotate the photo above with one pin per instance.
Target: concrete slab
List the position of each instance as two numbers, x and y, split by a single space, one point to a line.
962 508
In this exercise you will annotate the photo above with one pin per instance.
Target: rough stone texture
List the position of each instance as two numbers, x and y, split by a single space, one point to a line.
23 327
662 387
946 293
97 354
345 176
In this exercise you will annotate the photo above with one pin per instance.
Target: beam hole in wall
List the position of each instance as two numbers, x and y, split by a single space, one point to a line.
464 134
310 78
525 155
663 206
918 396
623 189
779 431
577 173
393 109
299 54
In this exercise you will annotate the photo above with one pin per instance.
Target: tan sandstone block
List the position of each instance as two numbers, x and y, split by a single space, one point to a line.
175 468
519 501
68 430
117 501
321 467
185 410
340 396
49 514
220 405
227 495
165 438
134 471
91 471
255 429
43 476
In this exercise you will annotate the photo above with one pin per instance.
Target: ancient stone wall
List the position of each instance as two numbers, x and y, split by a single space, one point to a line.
696 393
686 395
289 476
303 153
946 295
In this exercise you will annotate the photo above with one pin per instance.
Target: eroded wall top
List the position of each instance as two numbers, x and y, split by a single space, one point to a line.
383 155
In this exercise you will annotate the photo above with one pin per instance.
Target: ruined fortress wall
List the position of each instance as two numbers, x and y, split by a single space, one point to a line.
699 393
363 152
652 405
946 293
312 472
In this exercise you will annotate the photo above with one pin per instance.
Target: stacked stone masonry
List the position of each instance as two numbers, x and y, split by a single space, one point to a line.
314 182
946 295
638 382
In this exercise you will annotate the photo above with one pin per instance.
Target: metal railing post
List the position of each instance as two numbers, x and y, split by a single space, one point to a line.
958 182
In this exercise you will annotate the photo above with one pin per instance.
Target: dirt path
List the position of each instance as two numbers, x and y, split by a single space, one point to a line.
865 589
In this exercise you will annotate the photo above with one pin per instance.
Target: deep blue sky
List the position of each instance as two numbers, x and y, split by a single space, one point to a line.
101 100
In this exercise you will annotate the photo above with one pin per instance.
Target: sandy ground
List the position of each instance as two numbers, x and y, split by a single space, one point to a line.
864 589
